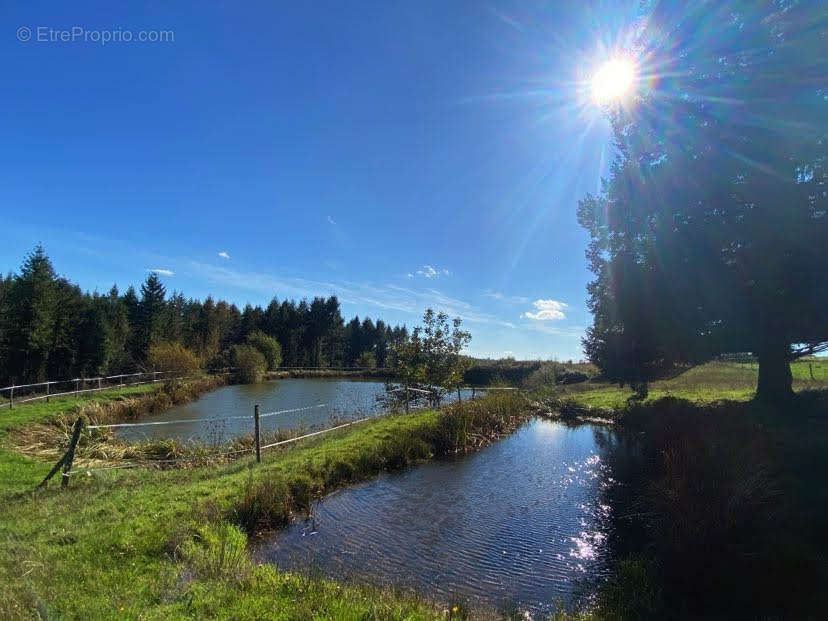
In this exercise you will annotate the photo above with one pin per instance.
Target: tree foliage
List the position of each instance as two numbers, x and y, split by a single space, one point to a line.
173 358
50 329
432 356
708 236
268 346
250 364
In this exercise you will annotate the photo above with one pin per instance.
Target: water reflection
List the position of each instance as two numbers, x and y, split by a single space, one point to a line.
520 523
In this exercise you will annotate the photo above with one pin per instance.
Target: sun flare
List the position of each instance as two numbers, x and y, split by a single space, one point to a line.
613 80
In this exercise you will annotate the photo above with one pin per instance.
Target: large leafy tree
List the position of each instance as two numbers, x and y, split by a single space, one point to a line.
709 236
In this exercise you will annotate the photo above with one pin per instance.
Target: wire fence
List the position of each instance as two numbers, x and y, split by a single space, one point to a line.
66 461
24 393
256 448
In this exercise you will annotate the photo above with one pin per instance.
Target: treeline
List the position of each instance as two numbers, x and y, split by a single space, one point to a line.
50 328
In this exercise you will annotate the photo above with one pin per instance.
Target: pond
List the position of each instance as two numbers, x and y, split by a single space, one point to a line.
518 525
339 399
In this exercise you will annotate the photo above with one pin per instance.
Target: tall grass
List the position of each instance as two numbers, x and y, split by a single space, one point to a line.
707 502
49 438
218 551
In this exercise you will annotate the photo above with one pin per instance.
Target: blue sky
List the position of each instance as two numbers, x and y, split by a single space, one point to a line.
398 155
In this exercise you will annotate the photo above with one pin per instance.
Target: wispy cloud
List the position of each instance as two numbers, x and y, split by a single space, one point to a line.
331 220
162 271
223 254
429 271
502 297
546 310
565 331
391 297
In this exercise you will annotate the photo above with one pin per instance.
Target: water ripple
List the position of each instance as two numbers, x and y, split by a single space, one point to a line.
519 523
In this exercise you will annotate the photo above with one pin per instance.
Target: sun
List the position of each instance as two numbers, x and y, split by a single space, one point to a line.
613 80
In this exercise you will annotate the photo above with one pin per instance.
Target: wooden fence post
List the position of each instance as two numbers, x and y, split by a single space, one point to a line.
77 386
68 457
406 398
70 454
11 398
811 369
256 433
47 391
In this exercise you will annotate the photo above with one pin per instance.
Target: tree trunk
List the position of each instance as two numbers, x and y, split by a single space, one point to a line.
775 380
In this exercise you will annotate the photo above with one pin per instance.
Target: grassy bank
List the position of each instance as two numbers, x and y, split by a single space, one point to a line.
42 430
703 384
329 373
166 544
17 470
720 510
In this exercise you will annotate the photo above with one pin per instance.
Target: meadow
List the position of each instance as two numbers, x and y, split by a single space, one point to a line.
703 384
172 543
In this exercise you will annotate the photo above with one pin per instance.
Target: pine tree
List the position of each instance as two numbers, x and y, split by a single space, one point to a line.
150 316
32 305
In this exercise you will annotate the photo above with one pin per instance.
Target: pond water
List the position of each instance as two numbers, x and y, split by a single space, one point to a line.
520 524
339 399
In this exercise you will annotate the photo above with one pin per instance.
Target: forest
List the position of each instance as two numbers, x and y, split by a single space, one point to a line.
51 329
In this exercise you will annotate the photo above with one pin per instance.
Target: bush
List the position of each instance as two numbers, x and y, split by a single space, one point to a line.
250 364
173 358
268 346
367 360
543 376
489 372
266 504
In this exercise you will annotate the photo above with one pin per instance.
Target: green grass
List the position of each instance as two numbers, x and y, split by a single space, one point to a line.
138 544
18 471
113 544
707 383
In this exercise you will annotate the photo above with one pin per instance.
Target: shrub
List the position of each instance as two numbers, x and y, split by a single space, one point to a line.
268 346
250 364
265 505
489 372
545 375
367 360
173 358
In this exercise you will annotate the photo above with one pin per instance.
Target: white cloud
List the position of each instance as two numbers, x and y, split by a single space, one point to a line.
331 220
162 271
446 272
223 254
409 275
546 310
